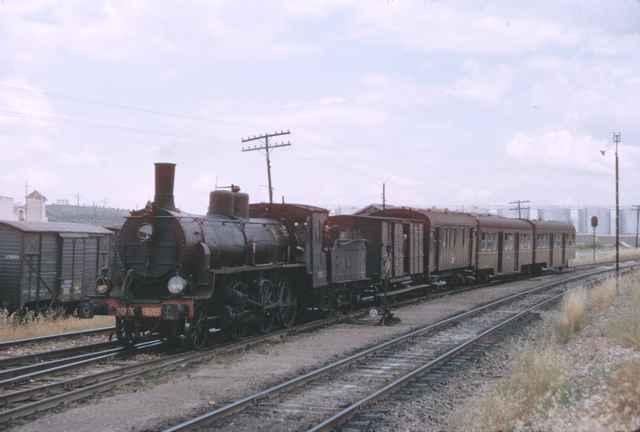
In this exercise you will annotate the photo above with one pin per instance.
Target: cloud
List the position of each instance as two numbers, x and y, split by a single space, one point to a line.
559 149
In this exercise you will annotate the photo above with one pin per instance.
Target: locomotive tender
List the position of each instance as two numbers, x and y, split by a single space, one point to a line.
257 265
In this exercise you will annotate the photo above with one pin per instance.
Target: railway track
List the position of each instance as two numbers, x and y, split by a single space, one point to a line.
42 394
44 356
28 372
48 338
327 397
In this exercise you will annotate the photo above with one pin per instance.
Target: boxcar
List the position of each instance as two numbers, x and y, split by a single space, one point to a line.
47 263
504 246
395 246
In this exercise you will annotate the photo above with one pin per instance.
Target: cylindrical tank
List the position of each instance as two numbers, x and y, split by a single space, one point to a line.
221 203
241 205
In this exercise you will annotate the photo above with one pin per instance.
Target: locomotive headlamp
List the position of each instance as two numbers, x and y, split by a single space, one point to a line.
176 284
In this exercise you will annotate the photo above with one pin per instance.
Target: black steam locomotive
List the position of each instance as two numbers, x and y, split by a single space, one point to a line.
244 266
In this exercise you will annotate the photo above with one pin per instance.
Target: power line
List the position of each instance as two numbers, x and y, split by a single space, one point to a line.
76 99
519 207
50 118
266 147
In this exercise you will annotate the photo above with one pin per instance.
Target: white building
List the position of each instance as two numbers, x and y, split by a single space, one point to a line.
555 214
7 210
35 208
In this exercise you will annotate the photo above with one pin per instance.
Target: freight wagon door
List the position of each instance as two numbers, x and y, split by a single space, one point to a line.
417 249
10 253
91 262
39 267
72 266
386 250
399 249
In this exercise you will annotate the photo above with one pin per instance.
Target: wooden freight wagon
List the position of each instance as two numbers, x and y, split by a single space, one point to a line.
51 263
395 246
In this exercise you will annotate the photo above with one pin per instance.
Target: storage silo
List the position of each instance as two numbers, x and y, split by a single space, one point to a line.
555 214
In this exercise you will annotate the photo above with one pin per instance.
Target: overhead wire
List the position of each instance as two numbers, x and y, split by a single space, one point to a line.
145 110
50 118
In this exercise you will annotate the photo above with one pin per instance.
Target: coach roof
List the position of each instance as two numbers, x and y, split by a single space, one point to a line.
503 223
434 217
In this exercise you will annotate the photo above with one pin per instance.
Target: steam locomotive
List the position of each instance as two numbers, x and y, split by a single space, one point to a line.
244 266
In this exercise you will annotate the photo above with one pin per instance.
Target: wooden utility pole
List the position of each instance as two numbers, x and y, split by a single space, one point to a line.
519 207
384 196
266 147
617 137
637 209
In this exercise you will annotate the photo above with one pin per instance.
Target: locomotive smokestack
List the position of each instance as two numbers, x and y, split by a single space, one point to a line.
165 174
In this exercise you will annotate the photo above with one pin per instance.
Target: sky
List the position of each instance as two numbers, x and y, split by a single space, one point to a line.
448 102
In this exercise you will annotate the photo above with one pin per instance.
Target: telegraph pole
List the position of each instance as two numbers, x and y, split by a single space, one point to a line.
519 207
637 209
384 196
266 147
617 137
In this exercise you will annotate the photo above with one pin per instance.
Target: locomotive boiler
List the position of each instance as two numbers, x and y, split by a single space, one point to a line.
183 274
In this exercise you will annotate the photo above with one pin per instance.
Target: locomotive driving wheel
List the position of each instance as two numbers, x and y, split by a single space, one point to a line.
287 303
266 297
198 334
234 325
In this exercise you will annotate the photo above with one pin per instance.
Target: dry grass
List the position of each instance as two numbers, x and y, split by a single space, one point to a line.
623 404
538 372
572 316
541 371
626 329
32 325
602 295
607 255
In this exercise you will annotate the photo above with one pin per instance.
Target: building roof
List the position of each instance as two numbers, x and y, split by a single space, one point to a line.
36 195
55 227
92 215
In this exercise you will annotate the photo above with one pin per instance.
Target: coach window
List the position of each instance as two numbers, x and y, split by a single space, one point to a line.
508 241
